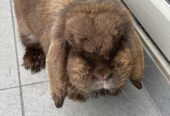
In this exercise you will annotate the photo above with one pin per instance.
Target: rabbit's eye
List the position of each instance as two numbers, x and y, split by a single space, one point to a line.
80 39
89 57
115 47
112 53
83 39
116 43
70 42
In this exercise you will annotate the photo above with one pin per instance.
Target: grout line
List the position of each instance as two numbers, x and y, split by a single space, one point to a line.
25 85
16 51
14 87
36 83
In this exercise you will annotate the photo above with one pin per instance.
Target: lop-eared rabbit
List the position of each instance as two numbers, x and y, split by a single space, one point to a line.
88 46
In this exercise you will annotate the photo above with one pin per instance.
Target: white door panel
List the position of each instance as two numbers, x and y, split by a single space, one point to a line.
154 15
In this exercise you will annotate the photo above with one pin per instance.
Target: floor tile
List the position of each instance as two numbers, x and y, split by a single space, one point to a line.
159 89
8 63
10 102
131 102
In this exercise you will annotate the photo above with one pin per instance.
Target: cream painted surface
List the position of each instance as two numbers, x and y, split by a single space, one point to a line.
156 23
163 6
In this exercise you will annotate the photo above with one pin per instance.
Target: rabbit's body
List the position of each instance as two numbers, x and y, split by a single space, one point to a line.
89 45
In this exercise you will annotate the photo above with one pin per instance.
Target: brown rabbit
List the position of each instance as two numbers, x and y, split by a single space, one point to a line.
89 45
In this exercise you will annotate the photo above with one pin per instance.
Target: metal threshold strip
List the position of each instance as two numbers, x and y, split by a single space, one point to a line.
160 61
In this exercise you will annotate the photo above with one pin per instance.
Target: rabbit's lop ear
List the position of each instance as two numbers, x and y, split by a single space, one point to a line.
56 67
137 84
133 41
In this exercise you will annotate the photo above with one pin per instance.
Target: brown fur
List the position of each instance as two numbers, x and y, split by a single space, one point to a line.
85 41
34 58
82 79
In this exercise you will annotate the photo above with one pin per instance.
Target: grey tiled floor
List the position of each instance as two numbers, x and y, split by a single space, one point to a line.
24 94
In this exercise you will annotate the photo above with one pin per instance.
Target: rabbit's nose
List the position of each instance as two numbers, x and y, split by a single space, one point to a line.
105 76
103 72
